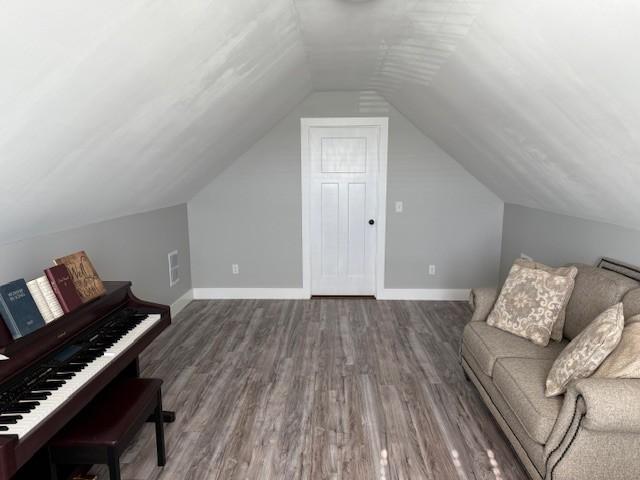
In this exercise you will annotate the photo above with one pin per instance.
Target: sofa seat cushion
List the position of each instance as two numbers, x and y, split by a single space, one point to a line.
487 344
521 382
525 446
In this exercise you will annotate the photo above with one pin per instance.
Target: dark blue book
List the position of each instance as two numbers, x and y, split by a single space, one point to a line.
18 309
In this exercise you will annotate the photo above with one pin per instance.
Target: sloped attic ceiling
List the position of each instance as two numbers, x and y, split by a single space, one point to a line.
541 103
121 106
540 100
117 107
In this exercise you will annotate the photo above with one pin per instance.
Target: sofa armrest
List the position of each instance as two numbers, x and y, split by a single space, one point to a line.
482 301
598 424
611 404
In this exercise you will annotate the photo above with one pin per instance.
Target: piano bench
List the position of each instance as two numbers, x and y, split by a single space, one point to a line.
101 432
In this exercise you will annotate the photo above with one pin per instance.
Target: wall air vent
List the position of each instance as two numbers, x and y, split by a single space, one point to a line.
174 276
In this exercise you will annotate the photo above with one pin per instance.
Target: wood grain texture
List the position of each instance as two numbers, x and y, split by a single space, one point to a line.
339 389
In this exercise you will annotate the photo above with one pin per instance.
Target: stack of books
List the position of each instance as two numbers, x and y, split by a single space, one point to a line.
27 306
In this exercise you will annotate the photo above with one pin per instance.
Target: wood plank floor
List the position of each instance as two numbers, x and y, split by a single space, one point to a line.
340 389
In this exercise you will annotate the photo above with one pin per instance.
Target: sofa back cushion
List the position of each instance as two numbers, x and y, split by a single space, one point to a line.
624 361
631 302
595 291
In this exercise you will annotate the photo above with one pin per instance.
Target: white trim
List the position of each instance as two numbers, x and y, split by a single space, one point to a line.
383 124
424 294
382 206
183 301
306 223
301 294
249 293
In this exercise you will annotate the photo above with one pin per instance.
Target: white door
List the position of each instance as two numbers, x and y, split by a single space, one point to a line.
344 164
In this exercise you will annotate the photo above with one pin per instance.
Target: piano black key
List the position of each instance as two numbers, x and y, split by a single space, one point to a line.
15 417
49 385
35 396
17 409
9 419
52 382
3 428
86 359
71 368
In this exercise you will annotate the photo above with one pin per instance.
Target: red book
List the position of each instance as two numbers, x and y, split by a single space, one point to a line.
63 287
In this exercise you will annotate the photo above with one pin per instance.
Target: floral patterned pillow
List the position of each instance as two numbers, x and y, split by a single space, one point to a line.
587 351
571 272
530 303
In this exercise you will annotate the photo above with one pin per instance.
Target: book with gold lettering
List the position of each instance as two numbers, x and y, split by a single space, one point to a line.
84 276
63 287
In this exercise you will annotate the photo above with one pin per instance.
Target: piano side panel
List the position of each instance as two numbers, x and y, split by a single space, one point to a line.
7 456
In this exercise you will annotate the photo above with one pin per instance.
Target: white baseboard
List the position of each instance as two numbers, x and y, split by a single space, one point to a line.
424 294
179 304
300 293
249 293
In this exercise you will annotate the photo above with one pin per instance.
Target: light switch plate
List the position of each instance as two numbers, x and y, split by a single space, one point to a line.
399 207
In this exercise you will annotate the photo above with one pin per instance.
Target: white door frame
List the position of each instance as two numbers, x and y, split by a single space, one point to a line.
381 218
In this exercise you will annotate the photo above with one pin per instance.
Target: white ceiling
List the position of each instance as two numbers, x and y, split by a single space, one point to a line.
121 106
381 44
110 108
541 102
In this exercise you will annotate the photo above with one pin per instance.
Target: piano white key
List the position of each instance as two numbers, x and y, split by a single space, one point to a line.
61 395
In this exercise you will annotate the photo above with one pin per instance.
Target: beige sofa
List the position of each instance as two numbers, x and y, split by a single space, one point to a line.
591 432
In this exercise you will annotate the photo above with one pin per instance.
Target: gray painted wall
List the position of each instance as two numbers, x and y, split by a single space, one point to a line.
251 213
133 248
558 239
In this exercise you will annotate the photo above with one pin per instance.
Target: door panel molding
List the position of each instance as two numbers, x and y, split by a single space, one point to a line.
382 124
